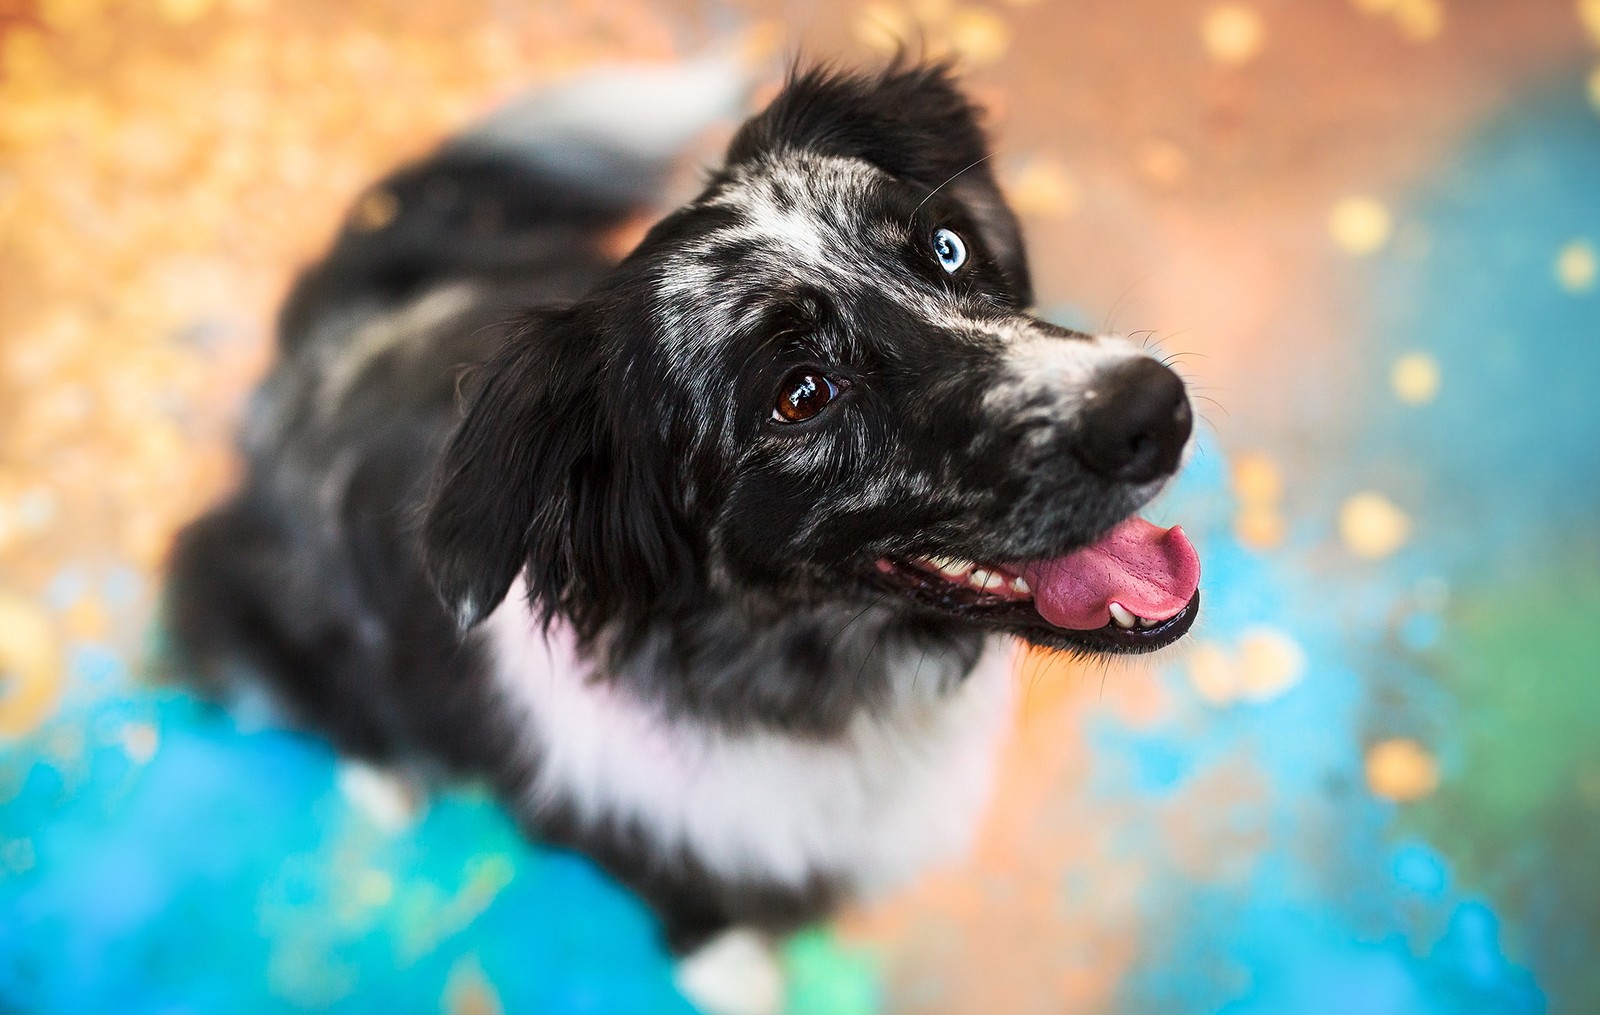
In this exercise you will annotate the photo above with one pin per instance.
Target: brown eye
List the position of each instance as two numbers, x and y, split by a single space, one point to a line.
803 394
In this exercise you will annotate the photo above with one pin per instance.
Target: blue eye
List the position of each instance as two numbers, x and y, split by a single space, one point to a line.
950 249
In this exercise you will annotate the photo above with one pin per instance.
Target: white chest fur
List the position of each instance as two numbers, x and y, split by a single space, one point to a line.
875 805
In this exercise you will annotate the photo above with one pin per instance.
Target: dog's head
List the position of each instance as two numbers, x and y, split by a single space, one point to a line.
818 382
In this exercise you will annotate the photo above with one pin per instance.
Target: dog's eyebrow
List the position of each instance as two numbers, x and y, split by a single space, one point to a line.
947 183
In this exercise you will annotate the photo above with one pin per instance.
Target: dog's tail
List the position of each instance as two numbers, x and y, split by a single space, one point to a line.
556 170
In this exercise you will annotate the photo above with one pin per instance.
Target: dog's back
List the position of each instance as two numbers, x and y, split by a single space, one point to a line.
308 581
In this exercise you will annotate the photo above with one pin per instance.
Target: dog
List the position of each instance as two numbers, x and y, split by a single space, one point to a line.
713 564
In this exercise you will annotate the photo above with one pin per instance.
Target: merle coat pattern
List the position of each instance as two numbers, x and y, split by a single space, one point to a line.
579 557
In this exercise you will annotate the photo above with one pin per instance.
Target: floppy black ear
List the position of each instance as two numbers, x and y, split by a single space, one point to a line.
911 122
539 478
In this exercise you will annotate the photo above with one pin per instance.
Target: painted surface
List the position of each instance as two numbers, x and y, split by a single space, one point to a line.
1371 783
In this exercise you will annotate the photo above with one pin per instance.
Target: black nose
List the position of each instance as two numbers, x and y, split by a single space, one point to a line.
1135 422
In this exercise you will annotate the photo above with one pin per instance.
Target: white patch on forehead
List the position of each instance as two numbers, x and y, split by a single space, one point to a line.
808 205
803 215
874 804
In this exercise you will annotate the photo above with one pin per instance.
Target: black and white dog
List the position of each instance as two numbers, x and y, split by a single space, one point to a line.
712 565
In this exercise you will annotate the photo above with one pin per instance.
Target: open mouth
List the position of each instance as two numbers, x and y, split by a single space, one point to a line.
1136 589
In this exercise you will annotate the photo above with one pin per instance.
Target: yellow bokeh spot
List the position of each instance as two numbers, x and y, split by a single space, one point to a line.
1163 163
1420 20
1267 663
884 27
1212 674
1258 484
1576 267
939 28
1270 662
25 55
1589 14
1372 526
1233 34
183 12
1045 189
1360 225
1415 378
977 35
30 667
1594 88
66 15
1256 479
1376 7
1401 770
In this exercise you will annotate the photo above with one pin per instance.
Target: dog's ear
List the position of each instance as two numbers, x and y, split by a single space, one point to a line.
538 478
911 122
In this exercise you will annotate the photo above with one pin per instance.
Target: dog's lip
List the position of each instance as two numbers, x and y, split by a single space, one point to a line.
930 580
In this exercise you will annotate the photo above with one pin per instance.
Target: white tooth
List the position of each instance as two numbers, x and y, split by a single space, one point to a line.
1120 614
1020 587
1147 622
953 568
986 580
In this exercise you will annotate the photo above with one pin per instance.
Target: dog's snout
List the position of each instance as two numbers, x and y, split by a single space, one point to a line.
1136 423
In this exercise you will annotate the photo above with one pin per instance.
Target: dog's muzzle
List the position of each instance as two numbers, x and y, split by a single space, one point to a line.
1135 423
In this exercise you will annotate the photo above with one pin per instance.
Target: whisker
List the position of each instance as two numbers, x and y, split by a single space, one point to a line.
1111 316
868 657
947 183
834 641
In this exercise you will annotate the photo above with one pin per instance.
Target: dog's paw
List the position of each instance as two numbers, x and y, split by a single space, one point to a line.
735 973
388 798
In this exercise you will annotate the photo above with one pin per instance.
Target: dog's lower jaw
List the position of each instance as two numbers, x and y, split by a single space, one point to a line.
761 826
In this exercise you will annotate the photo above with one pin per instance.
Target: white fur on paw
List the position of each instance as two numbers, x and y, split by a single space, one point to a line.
735 973
385 797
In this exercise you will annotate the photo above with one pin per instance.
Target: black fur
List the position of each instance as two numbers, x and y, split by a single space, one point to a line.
915 125
615 448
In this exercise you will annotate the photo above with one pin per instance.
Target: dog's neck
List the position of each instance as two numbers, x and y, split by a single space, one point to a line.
803 669
770 806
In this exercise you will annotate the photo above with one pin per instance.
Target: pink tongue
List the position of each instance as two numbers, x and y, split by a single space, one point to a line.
1153 572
